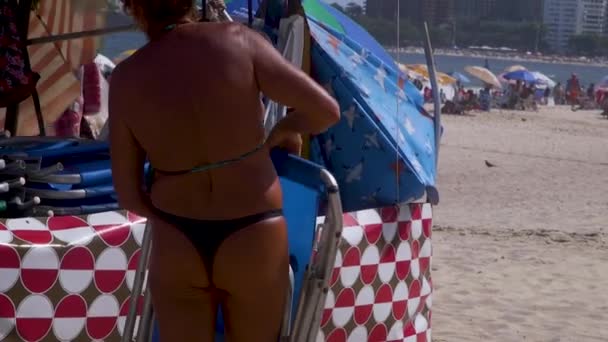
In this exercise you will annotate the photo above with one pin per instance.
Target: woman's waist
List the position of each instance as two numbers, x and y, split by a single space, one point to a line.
217 197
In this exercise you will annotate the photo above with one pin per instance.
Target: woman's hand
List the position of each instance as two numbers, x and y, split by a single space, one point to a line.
285 139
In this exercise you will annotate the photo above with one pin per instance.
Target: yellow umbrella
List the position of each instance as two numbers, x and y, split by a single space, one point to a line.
422 69
484 75
445 78
411 73
124 55
514 68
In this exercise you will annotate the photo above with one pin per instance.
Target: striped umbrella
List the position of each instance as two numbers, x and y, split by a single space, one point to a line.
483 75
62 36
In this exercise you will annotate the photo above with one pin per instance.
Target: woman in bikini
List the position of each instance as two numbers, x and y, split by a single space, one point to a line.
189 102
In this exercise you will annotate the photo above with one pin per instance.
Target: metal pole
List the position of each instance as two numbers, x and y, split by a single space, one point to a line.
81 34
204 10
430 63
138 285
146 321
250 12
38 110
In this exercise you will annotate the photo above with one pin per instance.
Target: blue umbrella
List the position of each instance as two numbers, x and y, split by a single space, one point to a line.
338 23
521 75
383 150
460 77
327 16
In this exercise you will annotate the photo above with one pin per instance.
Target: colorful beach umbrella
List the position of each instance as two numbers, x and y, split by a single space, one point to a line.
512 68
339 22
483 75
421 69
327 16
375 106
460 77
382 113
412 74
544 79
521 75
603 84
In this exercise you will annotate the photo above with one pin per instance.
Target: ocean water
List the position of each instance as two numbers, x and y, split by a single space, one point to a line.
113 45
557 72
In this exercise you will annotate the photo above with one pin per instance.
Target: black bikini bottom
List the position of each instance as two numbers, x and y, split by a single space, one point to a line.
208 235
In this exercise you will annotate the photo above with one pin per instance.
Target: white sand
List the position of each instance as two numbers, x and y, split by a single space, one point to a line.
521 249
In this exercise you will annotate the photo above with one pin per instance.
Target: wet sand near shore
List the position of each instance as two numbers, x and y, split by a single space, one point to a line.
521 233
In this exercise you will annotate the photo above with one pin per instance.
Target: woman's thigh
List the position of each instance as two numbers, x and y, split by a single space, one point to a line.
183 303
252 266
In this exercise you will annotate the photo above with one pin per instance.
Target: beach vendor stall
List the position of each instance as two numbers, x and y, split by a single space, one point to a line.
73 264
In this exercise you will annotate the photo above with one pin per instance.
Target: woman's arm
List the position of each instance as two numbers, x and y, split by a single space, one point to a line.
315 110
127 156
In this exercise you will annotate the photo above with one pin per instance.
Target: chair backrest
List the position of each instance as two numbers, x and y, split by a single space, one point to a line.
303 191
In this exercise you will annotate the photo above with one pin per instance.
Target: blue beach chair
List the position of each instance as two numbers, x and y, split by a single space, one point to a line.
308 192
70 177
78 175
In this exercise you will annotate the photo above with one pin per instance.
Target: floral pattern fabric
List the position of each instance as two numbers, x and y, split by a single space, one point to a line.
17 80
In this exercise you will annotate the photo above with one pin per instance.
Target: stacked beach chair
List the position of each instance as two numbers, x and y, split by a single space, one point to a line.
48 176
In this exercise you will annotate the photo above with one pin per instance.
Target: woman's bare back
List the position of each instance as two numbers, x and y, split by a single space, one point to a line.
189 98
205 75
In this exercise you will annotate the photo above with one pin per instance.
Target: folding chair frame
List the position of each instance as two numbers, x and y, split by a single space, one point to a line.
314 289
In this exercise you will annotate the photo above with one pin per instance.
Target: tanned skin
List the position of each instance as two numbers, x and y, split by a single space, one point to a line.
191 97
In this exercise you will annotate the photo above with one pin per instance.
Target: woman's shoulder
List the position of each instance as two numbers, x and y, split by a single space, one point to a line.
225 30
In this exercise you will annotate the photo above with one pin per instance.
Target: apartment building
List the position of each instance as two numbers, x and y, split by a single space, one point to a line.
474 10
565 18
435 12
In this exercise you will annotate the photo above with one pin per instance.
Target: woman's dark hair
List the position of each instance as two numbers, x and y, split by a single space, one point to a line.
153 15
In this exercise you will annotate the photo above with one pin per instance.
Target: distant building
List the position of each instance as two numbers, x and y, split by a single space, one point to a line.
592 17
474 10
518 10
506 10
435 12
381 8
565 18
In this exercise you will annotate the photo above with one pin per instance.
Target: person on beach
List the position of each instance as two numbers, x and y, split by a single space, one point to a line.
546 95
558 94
428 95
573 88
591 91
215 200
485 98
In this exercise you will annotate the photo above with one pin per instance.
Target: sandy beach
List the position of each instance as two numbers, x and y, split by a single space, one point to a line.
521 248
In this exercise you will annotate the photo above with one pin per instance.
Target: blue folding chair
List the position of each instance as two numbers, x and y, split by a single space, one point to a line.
308 191
28 143
78 175
70 176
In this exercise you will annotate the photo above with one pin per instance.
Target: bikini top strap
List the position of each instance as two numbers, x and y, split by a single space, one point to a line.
212 166
222 163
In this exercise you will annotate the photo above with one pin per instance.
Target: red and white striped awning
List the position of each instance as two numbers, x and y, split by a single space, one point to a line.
58 62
